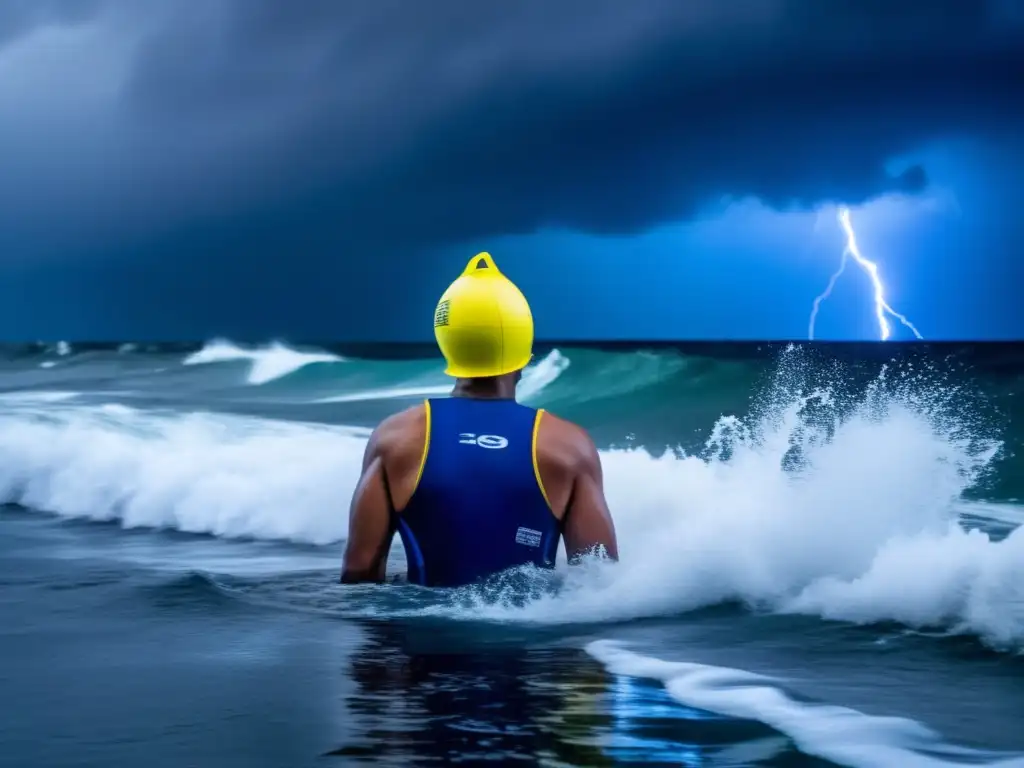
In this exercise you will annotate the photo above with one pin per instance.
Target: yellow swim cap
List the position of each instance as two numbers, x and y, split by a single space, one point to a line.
483 324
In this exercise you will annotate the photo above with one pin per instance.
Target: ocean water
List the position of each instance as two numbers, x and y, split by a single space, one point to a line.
821 564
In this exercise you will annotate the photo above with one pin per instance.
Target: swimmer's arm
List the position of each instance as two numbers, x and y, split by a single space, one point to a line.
369 523
588 522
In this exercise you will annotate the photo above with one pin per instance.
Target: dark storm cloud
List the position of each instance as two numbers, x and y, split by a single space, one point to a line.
395 122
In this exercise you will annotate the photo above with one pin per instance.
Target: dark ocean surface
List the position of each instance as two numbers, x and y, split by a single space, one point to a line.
821 564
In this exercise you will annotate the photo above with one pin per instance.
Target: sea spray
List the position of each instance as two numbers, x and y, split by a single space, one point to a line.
862 526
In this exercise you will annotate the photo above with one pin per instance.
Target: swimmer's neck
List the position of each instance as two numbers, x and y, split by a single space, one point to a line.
490 388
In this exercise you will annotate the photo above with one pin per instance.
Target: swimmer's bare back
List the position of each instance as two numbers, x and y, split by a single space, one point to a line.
567 460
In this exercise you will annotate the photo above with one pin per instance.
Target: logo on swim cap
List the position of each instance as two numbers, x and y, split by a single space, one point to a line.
441 313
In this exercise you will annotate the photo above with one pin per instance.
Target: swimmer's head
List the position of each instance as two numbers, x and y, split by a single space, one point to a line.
483 323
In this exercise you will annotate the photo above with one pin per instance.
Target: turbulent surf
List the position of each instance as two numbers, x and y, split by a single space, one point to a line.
758 491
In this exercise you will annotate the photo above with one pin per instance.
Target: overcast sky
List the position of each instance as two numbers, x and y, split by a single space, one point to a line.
653 168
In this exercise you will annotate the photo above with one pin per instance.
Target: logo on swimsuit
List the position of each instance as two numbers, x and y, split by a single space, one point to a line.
528 537
493 442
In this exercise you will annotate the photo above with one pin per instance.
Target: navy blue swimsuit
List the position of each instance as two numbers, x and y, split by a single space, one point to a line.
479 506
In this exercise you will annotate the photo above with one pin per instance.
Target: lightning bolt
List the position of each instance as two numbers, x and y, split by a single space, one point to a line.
882 309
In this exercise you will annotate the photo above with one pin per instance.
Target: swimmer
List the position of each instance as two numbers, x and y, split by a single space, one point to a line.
477 483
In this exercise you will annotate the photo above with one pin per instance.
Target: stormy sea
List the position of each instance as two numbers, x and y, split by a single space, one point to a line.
820 564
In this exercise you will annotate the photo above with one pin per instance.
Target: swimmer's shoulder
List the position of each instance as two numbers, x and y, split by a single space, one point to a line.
399 444
400 433
564 442
571 475
565 451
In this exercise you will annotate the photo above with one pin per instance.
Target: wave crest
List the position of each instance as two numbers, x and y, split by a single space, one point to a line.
267 364
198 473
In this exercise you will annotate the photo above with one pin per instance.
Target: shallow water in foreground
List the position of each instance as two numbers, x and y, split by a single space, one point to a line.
165 650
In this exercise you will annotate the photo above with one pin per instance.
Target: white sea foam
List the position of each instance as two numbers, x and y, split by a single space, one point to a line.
390 393
266 363
838 734
200 473
867 529
535 379
36 396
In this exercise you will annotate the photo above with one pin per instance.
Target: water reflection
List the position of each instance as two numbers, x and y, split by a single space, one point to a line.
435 694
